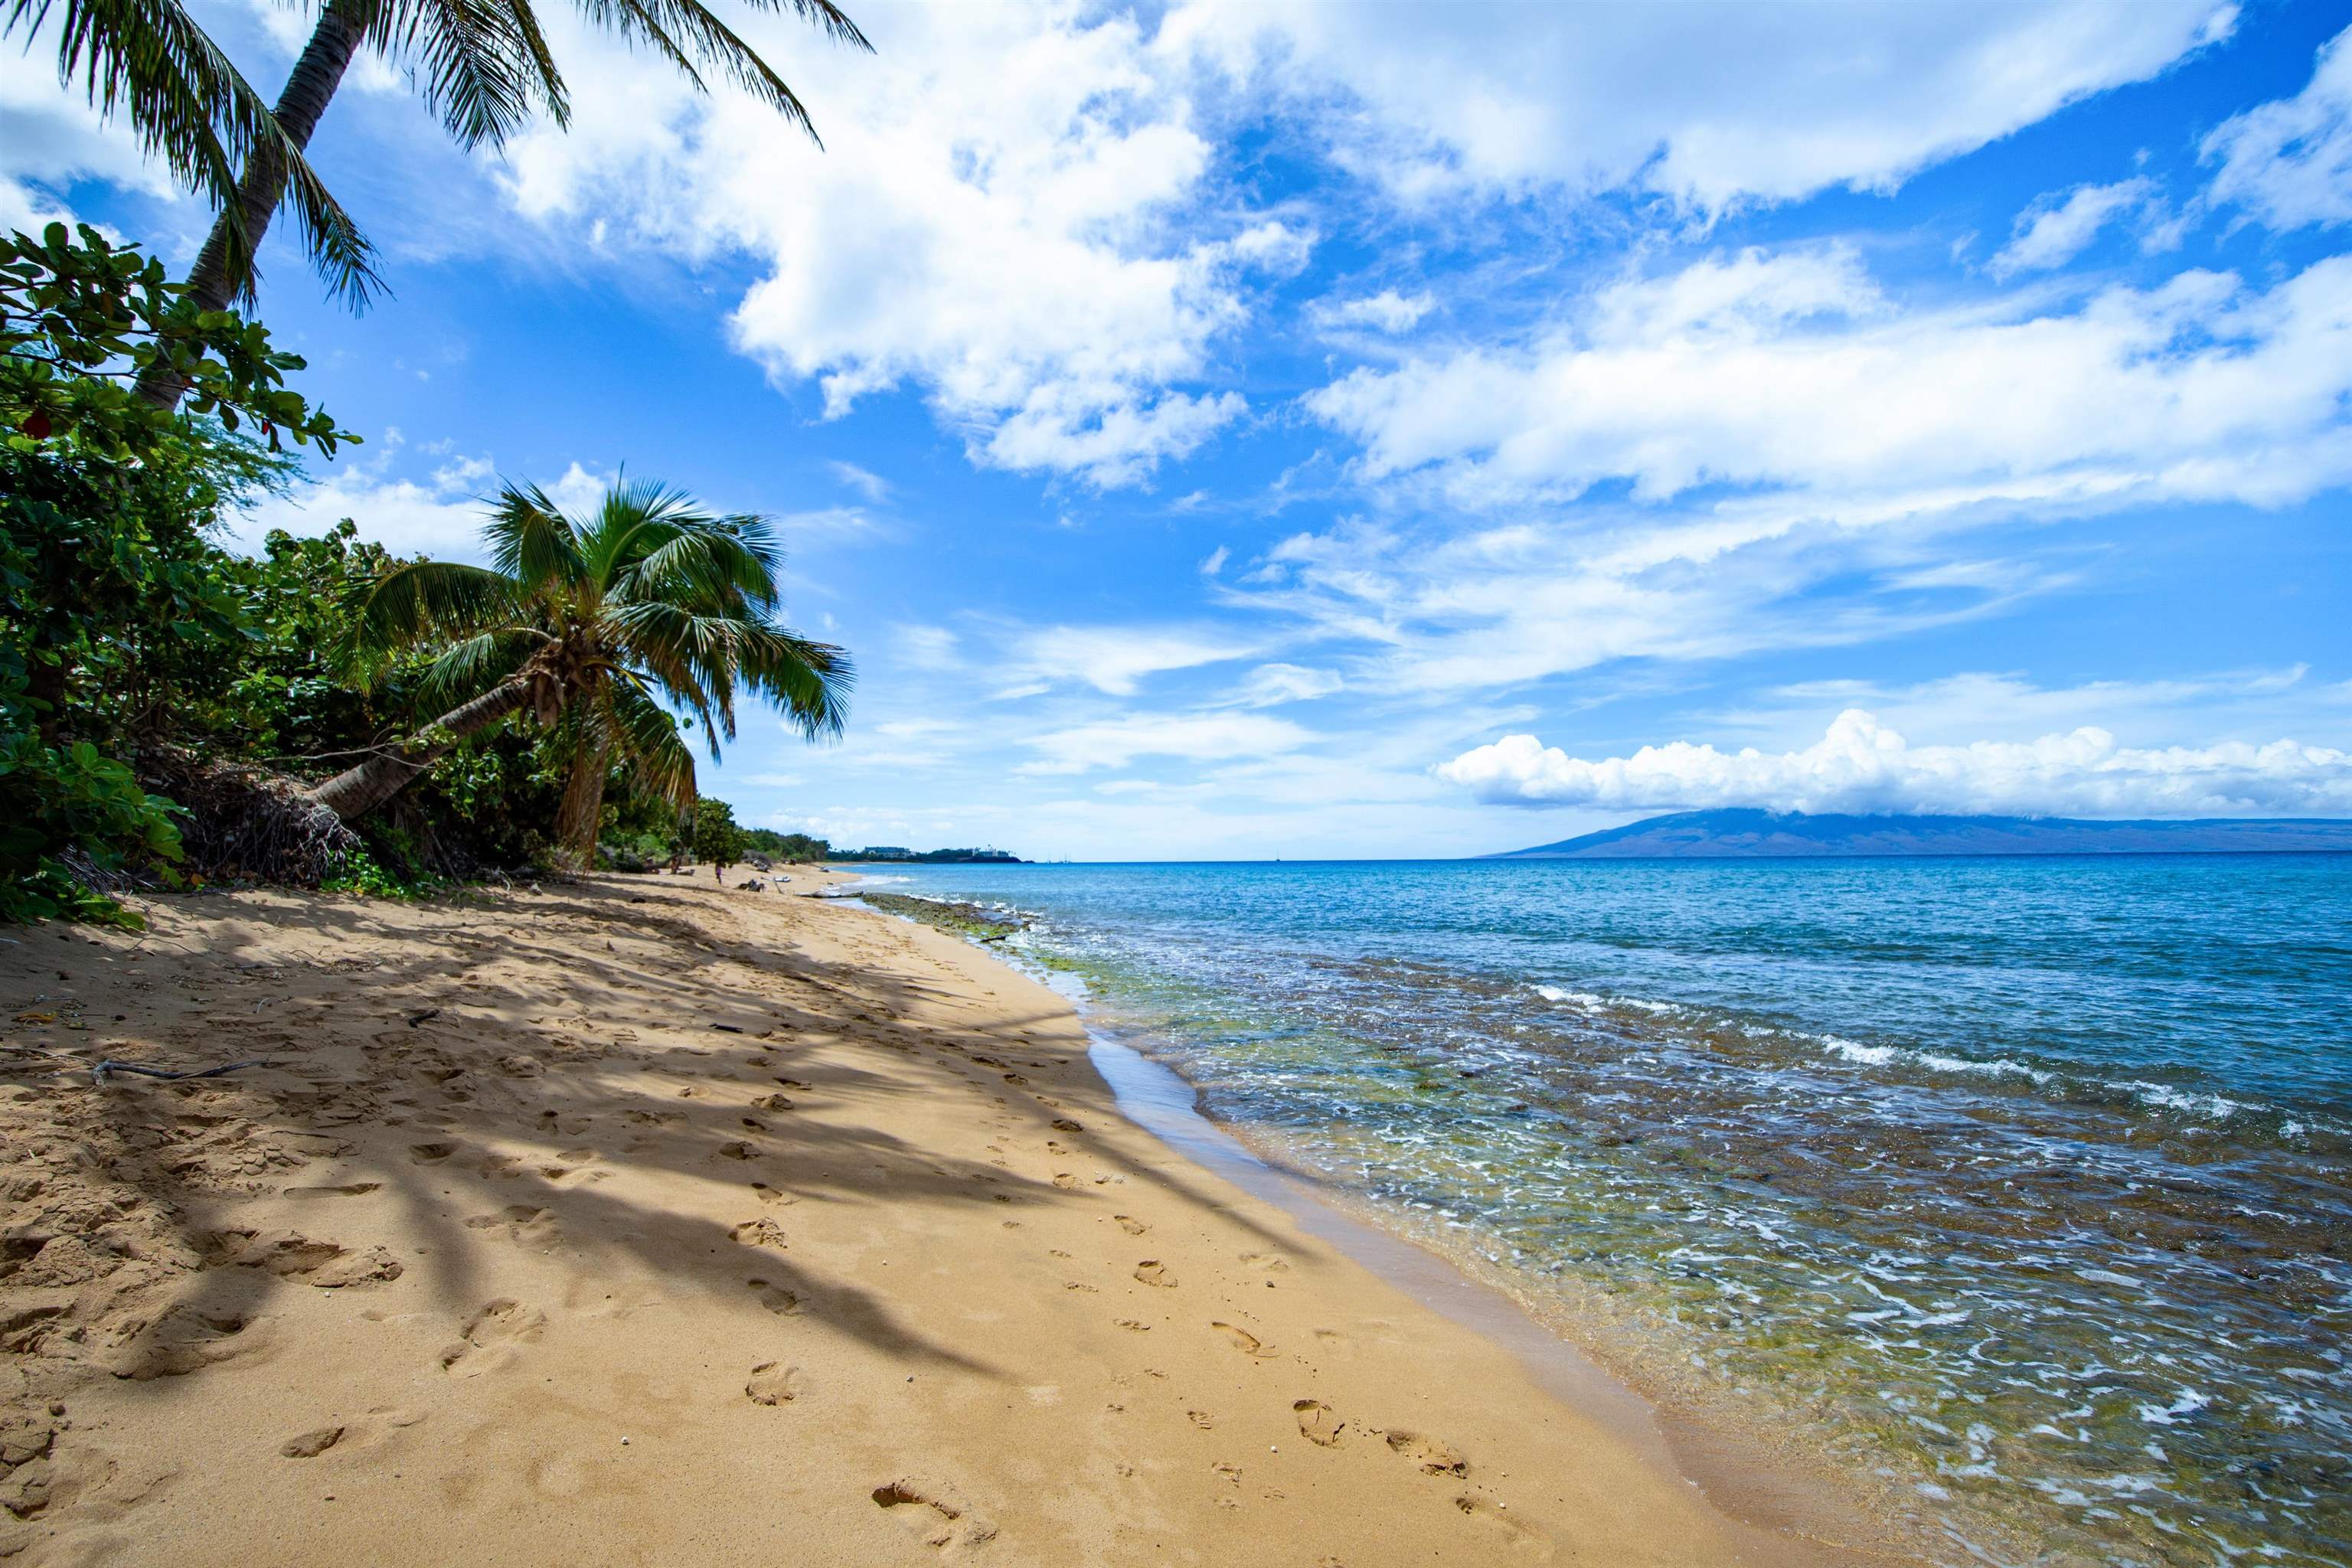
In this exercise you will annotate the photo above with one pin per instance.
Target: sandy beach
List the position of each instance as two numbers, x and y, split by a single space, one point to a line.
631 1220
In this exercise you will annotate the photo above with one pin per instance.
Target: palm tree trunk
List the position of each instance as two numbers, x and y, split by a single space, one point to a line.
582 810
221 271
357 791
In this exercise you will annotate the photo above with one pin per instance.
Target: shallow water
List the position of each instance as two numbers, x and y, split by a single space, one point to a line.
2028 1181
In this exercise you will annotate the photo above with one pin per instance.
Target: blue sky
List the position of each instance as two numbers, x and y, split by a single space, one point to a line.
1336 429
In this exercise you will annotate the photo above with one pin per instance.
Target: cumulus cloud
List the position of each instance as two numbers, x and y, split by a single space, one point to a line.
2289 162
1191 737
1011 213
1711 105
1386 311
1792 373
439 516
51 137
1862 765
2057 230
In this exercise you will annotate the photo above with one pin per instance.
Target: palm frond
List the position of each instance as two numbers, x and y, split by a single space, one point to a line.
479 65
421 602
195 113
722 566
647 735
810 681
532 542
687 33
471 666
635 516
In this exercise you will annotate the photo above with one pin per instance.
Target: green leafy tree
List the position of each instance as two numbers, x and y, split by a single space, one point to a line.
596 622
794 849
63 804
107 580
82 320
717 839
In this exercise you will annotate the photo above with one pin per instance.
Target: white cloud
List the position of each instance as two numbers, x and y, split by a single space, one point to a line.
2054 231
2289 162
1114 659
927 647
1193 737
1794 374
1387 311
1862 765
50 138
1214 561
1008 214
871 485
440 517
1709 105
1269 684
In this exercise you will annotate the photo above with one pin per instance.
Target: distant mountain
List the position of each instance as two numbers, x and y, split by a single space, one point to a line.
1744 833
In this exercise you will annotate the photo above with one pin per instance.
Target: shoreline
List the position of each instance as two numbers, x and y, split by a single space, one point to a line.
564 1224
1786 1488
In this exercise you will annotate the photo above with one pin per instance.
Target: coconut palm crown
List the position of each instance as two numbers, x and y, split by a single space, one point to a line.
597 621
196 113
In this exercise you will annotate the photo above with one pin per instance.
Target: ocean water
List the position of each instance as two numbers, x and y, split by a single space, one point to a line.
2026 1184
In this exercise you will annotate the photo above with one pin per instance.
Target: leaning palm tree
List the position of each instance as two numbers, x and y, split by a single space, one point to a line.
481 66
595 621
194 111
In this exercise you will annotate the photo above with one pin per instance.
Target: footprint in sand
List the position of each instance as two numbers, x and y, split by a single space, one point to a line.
490 1336
1131 1326
1318 1423
1266 1262
1131 1224
186 1339
1203 1419
1243 1339
769 1195
310 1444
349 1190
1064 1180
760 1232
936 1514
1434 1457
1152 1271
1063 1125
522 1222
775 1298
431 1153
772 1383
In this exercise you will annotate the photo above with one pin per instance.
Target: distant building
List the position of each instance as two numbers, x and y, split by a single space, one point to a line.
885 852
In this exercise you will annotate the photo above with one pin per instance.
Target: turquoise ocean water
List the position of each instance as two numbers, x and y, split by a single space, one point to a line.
2025 1182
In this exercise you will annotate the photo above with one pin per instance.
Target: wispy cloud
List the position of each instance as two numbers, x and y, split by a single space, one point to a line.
2288 163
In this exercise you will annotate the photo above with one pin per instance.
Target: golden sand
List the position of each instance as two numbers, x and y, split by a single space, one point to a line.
634 1221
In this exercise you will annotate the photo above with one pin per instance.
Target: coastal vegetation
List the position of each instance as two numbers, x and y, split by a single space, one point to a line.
172 711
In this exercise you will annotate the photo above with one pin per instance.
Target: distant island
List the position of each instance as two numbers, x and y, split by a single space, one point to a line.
1748 832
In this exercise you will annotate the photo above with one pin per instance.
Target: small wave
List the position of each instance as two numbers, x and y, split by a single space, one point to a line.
1933 1061
2219 1108
1593 1004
